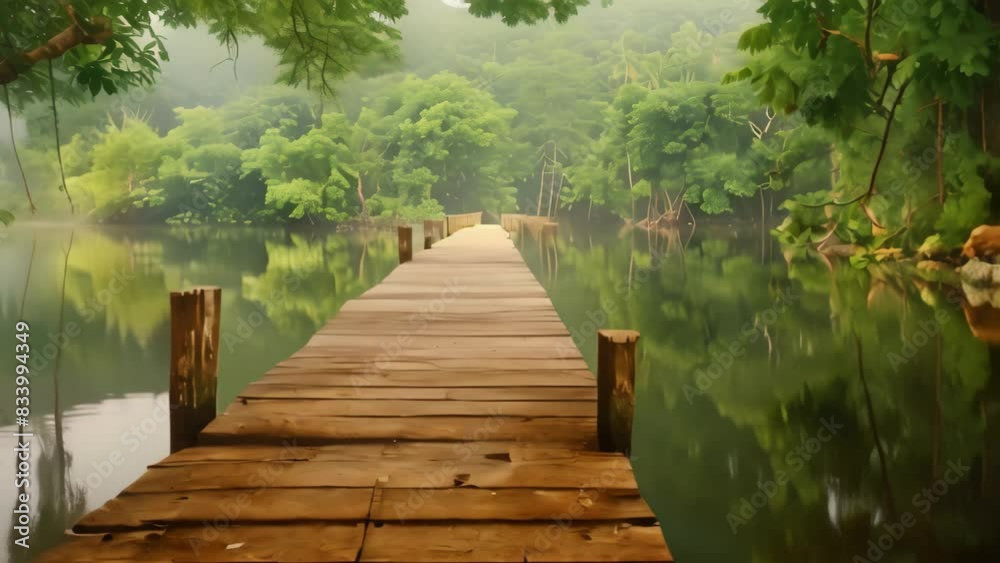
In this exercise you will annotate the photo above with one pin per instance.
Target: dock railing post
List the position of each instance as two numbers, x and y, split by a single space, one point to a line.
615 389
194 362
428 234
405 244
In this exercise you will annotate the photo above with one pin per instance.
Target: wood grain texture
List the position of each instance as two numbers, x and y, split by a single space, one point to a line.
416 505
536 541
280 391
253 428
303 543
446 415
234 507
395 408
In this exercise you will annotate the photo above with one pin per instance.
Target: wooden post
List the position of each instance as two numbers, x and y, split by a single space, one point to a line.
550 230
429 230
194 362
615 389
405 244
428 241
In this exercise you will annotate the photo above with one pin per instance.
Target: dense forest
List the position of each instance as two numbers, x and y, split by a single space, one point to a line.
865 124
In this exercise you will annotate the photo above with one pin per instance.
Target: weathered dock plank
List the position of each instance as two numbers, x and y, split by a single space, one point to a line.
443 416
279 391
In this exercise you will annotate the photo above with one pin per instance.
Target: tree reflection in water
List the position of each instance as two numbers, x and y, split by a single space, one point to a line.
97 303
882 352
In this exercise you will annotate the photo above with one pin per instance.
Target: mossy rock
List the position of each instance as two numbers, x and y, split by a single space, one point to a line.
980 274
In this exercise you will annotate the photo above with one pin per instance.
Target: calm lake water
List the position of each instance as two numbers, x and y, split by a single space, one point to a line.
757 437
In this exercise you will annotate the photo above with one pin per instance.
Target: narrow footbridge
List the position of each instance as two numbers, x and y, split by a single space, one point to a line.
443 416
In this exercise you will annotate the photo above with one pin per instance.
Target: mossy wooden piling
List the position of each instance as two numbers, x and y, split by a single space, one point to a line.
405 244
616 389
194 362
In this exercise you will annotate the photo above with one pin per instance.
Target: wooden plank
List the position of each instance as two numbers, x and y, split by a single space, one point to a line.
474 452
305 543
281 452
406 352
435 364
419 320
585 543
419 341
578 473
234 507
405 408
423 290
513 542
278 391
488 326
427 378
484 305
432 273
229 428
415 505
221 476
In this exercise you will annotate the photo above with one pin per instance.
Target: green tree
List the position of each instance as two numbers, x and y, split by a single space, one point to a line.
124 163
448 142
891 79
307 178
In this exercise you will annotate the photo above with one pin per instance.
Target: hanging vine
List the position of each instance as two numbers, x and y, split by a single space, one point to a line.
13 144
55 119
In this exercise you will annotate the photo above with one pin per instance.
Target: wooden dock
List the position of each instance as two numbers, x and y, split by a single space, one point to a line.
443 416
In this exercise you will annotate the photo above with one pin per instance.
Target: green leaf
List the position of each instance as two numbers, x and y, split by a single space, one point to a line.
740 75
860 261
756 39
6 217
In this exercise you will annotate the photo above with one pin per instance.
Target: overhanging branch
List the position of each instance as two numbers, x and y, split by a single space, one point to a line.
94 31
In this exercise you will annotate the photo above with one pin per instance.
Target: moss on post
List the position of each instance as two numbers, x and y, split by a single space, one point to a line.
194 363
615 389
405 244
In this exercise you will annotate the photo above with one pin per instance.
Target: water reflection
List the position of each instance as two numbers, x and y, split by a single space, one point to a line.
97 303
791 408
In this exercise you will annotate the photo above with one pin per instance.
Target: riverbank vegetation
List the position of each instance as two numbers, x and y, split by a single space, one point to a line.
866 125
